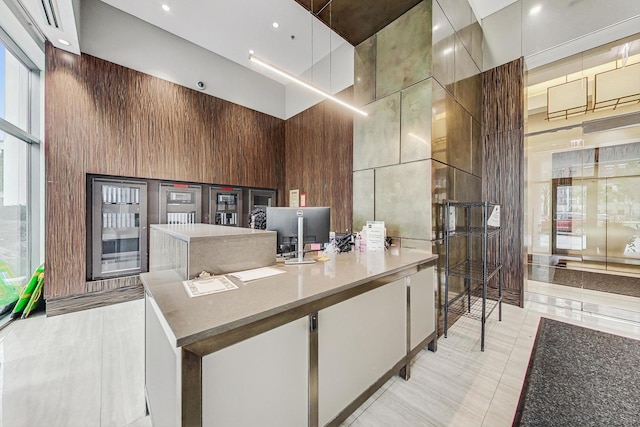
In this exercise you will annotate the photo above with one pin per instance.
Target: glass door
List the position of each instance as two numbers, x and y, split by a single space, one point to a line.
225 206
569 196
119 228
583 182
180 203
584 229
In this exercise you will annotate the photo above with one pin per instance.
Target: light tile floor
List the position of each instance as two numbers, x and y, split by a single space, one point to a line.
79 369
87 369
461 386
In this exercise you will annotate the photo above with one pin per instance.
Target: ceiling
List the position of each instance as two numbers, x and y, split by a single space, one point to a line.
205 41
484 8
357 20
232 28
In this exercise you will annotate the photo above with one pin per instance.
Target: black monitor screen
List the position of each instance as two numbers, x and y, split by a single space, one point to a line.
285 222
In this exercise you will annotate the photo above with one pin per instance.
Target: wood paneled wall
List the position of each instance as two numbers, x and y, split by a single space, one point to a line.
503 170
103 118
319 159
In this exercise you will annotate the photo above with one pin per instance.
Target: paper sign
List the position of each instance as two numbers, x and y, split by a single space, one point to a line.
452 218
294 198
375 235
494 218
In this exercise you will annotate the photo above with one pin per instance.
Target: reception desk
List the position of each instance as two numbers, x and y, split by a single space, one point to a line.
305 347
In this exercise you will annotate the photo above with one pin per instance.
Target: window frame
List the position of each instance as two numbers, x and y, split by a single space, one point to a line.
35 161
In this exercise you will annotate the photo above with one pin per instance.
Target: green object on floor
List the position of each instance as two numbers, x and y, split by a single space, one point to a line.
27 291
35 299
9 289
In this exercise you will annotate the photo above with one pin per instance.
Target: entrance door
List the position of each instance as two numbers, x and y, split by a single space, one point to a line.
568 215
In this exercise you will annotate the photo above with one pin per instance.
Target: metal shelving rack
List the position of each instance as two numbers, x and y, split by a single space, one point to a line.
479 268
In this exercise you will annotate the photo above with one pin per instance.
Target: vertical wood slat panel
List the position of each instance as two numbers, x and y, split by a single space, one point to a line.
319 159
106 119
504 185
64 165
503 98
339 137
503 166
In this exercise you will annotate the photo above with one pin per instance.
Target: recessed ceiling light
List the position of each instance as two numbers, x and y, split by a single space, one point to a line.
64 42
535 9
275 25
251 51
166 7
435 27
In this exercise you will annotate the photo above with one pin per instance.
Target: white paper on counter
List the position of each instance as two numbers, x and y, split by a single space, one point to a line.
210 285
256 273
375 236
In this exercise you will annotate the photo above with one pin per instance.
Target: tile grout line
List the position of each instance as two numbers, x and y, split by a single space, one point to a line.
102 397
372 402
513 346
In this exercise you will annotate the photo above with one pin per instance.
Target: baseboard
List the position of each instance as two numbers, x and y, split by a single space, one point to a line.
72 303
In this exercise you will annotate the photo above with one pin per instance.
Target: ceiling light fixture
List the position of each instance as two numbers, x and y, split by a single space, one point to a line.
624 53
64 42
166 7
296 80
275 25
535 9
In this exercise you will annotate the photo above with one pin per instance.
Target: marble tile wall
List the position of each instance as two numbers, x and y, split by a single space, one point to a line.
443 48
405 209
404 51
465 25
365 72
378 134
419 79
415 122
363 197
468 81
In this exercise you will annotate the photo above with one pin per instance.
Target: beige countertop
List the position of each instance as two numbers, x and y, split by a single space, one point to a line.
194 319
192 232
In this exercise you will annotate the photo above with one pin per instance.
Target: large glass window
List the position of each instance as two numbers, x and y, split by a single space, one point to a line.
583 180
16 225
14 90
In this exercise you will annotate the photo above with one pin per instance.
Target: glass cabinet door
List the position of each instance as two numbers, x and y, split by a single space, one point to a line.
119 228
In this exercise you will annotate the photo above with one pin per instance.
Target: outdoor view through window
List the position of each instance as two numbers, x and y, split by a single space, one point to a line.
583 172
14 166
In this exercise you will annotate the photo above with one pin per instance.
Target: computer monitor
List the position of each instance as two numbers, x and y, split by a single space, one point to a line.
315 228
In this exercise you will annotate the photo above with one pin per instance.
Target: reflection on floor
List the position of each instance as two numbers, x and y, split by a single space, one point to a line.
598 303
622 284
87 369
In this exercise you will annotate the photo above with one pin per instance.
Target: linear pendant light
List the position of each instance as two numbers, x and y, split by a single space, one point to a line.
304 84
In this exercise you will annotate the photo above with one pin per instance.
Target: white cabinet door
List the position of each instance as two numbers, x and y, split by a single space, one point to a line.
359 340
422 305
262 381
162 368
